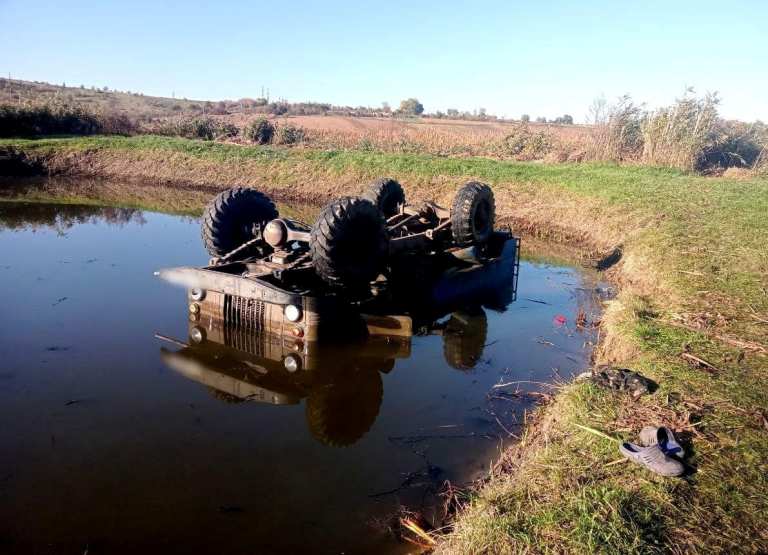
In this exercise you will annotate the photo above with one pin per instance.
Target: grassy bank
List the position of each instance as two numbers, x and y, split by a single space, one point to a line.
692 276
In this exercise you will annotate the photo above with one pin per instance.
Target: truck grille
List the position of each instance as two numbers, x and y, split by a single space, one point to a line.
243 312
243 339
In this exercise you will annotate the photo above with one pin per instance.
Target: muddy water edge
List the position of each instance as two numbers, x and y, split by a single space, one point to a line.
112 445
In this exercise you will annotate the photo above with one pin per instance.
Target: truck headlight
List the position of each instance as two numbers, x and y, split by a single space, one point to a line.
292 363
197 294
197 334
292 313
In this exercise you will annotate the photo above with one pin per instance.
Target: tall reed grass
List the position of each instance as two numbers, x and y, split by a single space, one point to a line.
688 135
680 135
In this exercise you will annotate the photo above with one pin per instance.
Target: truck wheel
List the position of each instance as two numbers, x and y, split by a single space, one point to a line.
229 219
464 338
348 243
386 193
473 214
339 414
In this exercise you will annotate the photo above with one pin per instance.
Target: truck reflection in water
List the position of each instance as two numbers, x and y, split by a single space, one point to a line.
340 379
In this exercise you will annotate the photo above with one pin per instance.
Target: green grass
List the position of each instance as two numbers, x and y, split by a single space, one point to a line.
693 278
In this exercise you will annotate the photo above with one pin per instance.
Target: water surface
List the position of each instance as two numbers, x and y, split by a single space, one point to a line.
105 448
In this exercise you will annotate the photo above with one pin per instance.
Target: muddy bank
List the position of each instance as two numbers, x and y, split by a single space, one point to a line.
533 212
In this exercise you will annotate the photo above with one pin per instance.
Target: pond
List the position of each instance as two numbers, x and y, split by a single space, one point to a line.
108 448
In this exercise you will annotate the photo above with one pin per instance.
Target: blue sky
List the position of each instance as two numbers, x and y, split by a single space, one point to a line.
541 58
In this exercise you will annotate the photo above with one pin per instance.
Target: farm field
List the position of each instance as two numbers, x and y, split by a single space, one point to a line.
329 128
428 135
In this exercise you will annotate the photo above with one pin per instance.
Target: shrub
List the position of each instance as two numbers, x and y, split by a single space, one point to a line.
290 134
617 130
57 118
524 144
735 144
260 131
205 128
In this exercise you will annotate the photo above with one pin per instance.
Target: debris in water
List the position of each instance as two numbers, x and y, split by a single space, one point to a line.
59 301
538 301
411 525
581 319
560 320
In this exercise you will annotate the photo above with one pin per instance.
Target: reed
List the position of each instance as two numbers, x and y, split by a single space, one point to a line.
679 136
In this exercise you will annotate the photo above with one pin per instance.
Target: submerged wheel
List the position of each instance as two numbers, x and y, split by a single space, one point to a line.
464 338
473 214
386 193
348 243
229 218
339 414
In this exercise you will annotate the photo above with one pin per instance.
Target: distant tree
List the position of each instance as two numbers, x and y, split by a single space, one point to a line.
525 118
439 114
411 106
385 107
278 108
541 119
82 86
481 113
568 119
452 112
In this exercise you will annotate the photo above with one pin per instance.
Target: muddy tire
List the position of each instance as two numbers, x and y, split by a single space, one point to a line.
348 243
341 413
464 339
229 218
386 193
473 214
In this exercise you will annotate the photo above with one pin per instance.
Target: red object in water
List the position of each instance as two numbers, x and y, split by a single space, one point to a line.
560 320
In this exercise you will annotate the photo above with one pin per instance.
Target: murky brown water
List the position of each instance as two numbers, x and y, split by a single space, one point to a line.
108 445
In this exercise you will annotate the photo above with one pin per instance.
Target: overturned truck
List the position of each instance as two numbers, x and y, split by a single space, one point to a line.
362 267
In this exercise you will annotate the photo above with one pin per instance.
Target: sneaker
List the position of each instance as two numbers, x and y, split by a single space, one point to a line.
664 438
653 458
